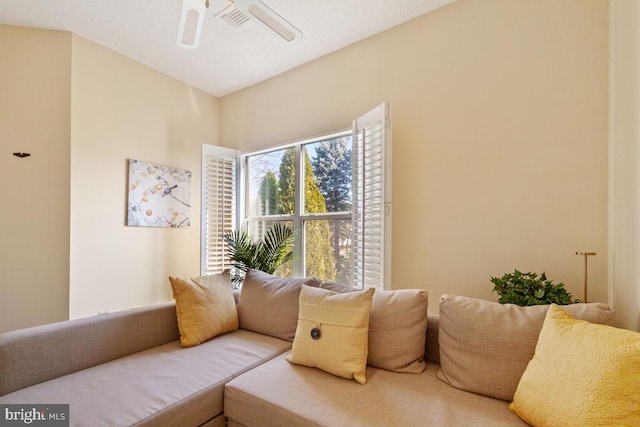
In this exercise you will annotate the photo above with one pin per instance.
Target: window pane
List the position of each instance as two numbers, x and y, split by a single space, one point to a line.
328 249
327 172
271 183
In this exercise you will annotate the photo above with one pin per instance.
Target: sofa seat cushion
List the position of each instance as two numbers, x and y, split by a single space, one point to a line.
278 393
165 385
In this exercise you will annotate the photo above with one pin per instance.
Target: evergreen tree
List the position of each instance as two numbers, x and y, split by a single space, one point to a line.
319 257
268 194
287 183
314 201
333 171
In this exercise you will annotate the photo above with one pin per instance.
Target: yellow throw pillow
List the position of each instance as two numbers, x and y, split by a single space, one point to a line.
582 374
205 307
332 332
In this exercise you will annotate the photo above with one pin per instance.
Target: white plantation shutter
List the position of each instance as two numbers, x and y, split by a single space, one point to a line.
219 187
372 199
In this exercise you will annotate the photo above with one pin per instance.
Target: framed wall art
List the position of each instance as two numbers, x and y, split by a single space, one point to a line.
158 195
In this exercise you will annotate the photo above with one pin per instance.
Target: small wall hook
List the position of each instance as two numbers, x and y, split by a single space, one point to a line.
22 155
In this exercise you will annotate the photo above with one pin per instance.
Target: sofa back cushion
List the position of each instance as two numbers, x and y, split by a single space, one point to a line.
486 346
397 330
338 287
269 304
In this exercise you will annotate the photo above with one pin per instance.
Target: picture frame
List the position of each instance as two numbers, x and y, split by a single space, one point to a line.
158 195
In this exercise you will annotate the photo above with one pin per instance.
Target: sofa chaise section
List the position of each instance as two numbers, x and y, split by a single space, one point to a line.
163 384
33 355
279 393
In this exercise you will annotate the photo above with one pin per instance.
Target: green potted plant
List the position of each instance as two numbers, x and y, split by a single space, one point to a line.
530 289
267 254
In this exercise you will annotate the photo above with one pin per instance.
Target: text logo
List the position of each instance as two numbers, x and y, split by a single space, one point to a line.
34 415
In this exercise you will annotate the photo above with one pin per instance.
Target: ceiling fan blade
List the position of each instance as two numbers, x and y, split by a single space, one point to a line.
190 26
269 18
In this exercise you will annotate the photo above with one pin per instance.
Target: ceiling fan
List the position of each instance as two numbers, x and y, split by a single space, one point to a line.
236 13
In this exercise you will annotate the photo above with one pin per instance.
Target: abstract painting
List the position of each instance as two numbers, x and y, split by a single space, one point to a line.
159 196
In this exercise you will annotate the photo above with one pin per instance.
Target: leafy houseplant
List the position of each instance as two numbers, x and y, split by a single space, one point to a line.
530 289
275 249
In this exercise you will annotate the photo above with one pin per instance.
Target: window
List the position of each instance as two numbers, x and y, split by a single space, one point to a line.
333 190
308 186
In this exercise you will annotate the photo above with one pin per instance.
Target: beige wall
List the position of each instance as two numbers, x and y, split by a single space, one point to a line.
499 137
625 161
35 109
82 110
122 109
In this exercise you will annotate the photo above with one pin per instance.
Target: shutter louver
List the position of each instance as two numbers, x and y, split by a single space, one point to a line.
219 186
372 199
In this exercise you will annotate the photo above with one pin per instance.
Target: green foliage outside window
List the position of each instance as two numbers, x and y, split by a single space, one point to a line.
319 255
269 194
332 170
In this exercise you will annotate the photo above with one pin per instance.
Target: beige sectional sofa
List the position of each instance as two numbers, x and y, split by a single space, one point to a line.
129 367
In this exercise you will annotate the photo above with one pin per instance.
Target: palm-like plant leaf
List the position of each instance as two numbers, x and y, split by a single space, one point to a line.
241 250
275 249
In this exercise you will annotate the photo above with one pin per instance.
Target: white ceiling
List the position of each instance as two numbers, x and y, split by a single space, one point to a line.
228 59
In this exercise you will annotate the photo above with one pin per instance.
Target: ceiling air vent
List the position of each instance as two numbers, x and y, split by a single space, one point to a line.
235 18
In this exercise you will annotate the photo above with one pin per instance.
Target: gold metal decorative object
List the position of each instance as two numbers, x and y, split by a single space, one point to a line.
586 255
